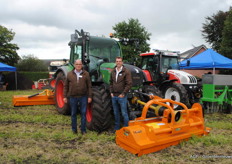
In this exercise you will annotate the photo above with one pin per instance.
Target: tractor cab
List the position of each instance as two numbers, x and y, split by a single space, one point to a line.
156 64
93 51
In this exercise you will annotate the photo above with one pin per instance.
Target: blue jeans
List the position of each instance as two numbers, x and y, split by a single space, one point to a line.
118 103
82 101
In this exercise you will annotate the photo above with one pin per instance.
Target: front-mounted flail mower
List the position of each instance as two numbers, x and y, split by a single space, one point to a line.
169 127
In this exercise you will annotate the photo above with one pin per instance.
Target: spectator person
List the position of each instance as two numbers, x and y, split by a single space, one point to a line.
120 84
78 89
2 81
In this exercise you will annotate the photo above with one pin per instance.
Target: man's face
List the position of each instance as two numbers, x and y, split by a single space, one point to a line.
119 63
78 65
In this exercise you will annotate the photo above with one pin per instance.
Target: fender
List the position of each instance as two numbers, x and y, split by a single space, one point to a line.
147 75
65 69
167 82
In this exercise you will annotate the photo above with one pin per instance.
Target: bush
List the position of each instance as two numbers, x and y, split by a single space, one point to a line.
31 63
35 76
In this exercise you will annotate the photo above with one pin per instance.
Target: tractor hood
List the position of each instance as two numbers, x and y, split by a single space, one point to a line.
182 77
136 75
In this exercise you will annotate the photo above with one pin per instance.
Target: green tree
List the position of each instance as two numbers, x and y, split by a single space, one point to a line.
31 63
8 54
132 30
212 29
226 44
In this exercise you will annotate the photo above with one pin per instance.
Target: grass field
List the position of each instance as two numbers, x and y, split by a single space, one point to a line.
38 134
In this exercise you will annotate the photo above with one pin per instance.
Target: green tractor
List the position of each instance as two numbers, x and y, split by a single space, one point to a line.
98 57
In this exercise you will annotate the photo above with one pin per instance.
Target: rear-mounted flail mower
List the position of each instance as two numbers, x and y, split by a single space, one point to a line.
169 127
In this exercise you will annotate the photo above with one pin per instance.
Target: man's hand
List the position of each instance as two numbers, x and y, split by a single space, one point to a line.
112 95
65 100
89 100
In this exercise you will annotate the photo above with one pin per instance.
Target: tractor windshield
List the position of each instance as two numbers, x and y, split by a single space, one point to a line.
169 62
149 63
102 49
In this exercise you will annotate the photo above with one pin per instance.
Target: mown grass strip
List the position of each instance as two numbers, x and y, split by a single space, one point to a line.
209 140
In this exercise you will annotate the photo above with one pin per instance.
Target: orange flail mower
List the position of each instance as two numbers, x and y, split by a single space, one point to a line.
44 98
146 135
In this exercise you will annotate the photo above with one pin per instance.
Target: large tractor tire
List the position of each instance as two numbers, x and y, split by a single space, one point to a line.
152 90
176 92
99 113
52 83
62 108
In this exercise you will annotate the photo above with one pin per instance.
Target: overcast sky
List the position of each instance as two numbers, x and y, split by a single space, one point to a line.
43 27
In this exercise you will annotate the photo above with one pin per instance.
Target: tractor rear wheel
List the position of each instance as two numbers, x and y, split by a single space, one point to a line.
176 92
99 113
62 108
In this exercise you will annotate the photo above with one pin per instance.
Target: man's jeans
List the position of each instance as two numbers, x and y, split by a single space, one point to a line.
118 102
82 101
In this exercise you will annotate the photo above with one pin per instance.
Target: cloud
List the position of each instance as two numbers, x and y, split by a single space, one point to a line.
43 27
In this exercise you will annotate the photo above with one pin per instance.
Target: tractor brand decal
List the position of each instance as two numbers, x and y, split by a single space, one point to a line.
136 77
137 131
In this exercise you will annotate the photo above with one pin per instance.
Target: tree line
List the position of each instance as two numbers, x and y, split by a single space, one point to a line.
216 30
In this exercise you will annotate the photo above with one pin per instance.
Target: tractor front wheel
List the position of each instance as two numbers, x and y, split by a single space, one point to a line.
62 108
176 92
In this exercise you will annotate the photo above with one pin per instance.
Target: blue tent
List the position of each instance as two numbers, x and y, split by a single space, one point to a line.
4 67
208 59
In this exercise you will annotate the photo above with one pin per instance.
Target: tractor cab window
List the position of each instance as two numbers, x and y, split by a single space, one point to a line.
76 52
149 63
101 51
169 63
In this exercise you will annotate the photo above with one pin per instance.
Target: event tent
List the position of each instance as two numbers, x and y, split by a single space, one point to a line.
208 59
4 67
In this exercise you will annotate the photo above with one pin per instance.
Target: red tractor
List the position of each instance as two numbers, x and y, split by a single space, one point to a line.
161 68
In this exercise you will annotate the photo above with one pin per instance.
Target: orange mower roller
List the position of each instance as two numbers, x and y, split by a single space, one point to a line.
169 127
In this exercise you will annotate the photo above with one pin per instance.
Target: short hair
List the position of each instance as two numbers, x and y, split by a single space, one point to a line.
118 57
78 60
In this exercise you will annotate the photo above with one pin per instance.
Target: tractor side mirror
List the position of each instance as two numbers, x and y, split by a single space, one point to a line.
86 60
74 38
